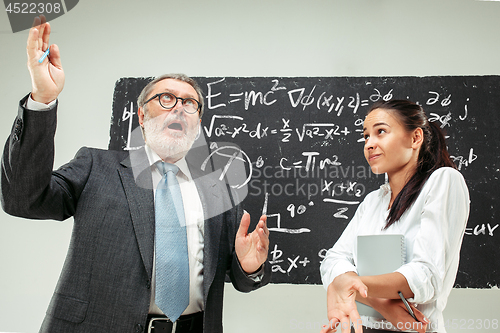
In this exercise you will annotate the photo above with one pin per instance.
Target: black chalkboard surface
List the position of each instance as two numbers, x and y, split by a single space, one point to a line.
301 142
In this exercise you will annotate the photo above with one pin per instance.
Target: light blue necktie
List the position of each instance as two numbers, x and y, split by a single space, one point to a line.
172 262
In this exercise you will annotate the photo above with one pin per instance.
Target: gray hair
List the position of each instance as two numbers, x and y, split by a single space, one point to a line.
181 77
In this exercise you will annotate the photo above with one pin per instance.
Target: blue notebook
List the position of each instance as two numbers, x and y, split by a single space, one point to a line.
379 254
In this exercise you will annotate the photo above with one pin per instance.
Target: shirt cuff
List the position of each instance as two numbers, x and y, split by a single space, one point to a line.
341 267
256 276
417 280
37 106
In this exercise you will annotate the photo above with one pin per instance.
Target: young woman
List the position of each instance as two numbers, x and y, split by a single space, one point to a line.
427 201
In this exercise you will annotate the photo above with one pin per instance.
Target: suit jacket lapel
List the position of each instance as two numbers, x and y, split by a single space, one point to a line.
209 195
136 179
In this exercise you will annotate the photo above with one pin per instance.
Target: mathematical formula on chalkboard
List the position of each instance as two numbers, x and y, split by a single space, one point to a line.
300 140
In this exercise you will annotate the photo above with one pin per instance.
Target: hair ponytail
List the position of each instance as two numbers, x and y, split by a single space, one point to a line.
433 153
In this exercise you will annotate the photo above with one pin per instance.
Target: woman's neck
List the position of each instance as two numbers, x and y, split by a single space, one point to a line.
398 181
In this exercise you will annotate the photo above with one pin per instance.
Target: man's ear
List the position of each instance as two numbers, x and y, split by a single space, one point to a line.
140 115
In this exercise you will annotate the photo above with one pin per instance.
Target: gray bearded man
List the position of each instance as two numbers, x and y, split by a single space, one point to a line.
153 239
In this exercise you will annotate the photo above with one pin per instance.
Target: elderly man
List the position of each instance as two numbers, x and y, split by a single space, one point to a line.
152 240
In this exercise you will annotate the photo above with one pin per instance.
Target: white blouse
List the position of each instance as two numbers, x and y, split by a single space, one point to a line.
433 227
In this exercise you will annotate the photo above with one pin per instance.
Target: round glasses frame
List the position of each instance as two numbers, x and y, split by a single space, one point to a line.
187 108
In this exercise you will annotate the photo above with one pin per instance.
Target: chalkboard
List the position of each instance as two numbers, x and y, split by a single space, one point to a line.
301 142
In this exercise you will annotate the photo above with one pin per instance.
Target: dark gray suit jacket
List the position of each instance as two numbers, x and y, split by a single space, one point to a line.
105 284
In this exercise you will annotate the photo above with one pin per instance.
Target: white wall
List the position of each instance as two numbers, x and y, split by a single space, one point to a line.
104 40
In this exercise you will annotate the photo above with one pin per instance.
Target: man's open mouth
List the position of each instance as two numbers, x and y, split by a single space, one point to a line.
175 126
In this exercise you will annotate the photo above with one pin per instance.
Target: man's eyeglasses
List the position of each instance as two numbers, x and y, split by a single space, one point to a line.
168 101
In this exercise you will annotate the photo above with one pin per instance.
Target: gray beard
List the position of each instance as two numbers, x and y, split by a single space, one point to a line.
167 147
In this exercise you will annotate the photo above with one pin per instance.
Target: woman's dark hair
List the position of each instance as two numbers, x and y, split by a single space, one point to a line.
433 153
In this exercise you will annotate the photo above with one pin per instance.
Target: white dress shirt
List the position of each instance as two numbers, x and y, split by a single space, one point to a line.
433 228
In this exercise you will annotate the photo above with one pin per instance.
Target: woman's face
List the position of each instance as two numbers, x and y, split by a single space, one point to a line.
389 147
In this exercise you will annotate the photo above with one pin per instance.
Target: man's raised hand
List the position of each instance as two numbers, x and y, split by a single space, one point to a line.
47 77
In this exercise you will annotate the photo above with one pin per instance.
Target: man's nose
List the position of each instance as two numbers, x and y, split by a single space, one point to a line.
178 106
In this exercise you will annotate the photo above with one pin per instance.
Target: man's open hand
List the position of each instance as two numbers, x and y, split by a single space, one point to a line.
252 249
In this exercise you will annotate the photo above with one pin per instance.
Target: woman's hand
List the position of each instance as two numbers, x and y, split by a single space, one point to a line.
395 311
341 305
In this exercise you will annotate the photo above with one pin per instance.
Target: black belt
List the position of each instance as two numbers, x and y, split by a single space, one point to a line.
191 323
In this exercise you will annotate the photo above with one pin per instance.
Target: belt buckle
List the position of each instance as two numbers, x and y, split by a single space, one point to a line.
153 319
